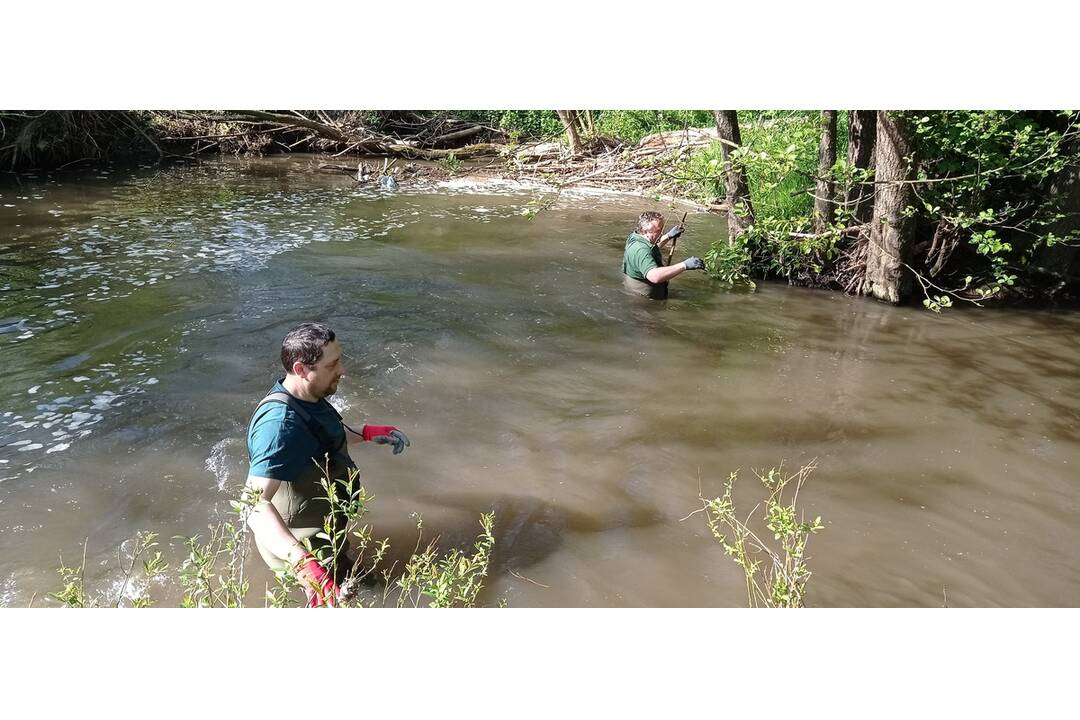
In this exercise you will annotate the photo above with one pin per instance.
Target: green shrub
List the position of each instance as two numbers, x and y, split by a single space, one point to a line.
526 123
997 202
776 573
632 125
212 572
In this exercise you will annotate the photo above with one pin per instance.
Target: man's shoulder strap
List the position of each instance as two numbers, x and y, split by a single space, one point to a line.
309 422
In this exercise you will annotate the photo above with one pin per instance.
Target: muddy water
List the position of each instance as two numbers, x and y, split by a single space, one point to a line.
142 311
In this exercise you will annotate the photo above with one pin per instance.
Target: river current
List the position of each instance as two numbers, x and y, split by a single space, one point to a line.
141 314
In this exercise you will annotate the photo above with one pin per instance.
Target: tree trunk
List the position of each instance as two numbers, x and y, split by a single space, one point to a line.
891 233
825 190
862 133
740 210
569 122
583 121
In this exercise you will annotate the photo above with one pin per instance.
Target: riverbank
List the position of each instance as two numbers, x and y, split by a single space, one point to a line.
432 146
548 177
986 208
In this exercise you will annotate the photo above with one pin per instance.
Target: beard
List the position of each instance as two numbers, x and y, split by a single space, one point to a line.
324 392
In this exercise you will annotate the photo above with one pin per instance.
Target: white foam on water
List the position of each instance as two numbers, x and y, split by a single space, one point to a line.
217 462
136 588
502 184
33 390
7 591
58 448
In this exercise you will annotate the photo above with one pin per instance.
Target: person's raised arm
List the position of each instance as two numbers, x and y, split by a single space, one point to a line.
667 243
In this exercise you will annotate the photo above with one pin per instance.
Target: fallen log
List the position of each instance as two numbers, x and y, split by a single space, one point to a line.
457 135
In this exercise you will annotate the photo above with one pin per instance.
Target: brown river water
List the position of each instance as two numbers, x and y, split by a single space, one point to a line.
141 313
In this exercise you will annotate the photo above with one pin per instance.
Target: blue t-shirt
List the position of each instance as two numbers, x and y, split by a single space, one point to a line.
281 446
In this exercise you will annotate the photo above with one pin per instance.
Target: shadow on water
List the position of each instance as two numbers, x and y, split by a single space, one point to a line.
527 529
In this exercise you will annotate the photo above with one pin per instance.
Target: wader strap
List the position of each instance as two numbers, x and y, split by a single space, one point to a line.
313 427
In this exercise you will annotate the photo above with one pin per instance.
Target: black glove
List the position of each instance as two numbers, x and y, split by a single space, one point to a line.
674 232
694 263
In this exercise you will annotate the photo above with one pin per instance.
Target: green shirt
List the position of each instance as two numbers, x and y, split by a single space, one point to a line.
640 257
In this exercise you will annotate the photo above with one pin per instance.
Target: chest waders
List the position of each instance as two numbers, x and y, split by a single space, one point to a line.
644 288
302 503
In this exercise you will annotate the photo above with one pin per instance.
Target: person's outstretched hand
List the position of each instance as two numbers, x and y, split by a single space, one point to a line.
386 435
694 263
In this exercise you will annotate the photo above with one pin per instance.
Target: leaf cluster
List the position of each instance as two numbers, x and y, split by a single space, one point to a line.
776 573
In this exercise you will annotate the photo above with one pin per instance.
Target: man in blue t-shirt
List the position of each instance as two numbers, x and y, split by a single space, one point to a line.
295 437
645 270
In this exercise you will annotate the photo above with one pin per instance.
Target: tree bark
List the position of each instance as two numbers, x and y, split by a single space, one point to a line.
825 190
891 233
862 134
569 122
740 210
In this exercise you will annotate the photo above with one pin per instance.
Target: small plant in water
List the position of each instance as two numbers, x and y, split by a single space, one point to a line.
452 580
451 164
74 594
776 576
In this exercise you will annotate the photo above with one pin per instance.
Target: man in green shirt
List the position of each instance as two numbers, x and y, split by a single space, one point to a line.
645 269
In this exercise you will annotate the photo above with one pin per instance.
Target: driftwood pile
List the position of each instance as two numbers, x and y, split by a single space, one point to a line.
443 139
399 134
645 167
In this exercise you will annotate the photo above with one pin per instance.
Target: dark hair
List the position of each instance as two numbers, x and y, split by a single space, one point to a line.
647 219
305 344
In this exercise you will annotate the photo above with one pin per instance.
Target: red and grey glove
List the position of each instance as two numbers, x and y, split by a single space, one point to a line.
316 581
385 435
